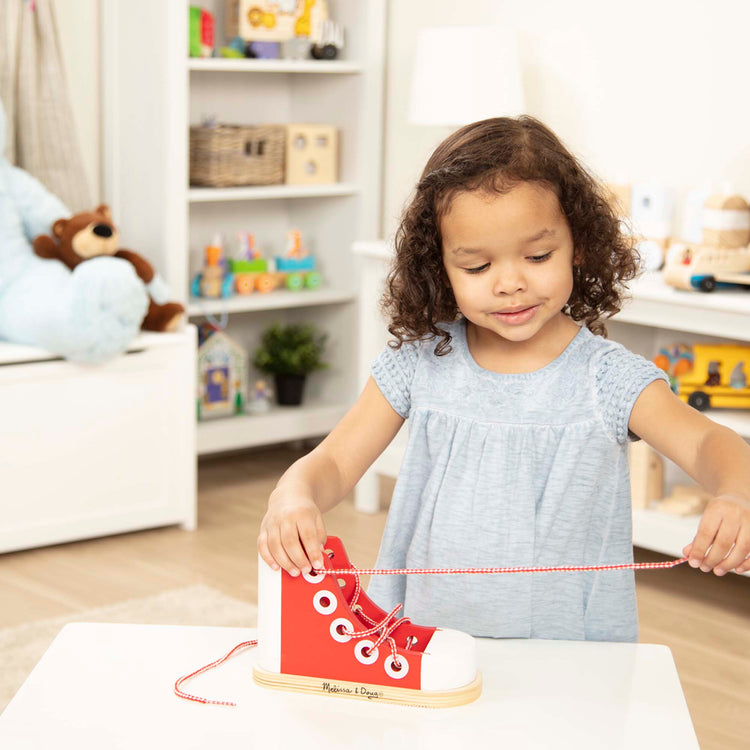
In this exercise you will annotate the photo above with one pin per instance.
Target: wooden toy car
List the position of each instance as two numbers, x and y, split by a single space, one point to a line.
706 268
292 274
718 377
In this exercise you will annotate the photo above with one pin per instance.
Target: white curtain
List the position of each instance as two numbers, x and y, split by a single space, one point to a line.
41 136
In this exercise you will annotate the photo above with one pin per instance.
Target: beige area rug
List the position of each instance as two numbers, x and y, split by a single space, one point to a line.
22 646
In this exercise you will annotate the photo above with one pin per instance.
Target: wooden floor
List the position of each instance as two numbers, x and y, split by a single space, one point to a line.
704 620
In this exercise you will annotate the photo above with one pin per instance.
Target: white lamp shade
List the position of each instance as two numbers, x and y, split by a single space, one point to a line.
463 74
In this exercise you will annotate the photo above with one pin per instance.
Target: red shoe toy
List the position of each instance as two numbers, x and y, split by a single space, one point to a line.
320 633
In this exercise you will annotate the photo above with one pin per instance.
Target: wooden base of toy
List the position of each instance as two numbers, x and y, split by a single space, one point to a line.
379 693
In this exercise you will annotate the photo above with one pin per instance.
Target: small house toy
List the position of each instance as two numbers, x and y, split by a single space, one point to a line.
718 377
222 375
311 154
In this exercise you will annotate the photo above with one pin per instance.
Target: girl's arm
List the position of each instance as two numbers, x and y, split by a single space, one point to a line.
718 459
292 532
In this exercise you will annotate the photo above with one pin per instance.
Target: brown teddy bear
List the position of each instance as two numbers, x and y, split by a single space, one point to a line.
89 235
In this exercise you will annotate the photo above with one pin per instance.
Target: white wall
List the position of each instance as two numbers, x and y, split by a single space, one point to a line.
78 27
644 90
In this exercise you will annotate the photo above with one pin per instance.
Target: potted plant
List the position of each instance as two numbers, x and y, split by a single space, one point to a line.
290 353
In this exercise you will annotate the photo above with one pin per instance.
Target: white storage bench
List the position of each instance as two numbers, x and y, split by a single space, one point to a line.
90 450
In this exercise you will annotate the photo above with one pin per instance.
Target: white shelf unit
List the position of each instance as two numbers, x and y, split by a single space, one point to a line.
658 315
149 103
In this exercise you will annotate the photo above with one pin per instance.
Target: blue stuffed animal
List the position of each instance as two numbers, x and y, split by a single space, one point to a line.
86 315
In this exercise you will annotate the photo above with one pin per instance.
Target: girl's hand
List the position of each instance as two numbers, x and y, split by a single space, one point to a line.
292 534
725 528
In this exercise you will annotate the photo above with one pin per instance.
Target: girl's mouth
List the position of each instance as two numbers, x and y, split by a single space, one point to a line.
516 317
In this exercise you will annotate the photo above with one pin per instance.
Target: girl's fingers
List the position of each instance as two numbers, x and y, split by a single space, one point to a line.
264 552
293 546
279 553
707 529
308 533
721 546
737 557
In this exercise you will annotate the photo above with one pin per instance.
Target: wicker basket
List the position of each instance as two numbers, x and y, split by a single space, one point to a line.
237 155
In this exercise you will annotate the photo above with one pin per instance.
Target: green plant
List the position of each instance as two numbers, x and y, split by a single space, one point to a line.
291 350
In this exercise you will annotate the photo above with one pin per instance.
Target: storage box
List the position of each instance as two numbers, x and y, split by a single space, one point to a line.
311 154
227 155
94 450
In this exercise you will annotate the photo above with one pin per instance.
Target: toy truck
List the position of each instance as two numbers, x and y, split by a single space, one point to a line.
259 275
718 377
706 268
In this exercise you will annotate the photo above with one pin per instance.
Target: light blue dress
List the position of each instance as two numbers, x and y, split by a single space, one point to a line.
513 470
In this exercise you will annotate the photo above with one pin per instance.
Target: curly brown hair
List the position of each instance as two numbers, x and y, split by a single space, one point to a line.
494 155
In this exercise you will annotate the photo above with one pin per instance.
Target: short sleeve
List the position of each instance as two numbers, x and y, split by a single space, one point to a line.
620 377
393 371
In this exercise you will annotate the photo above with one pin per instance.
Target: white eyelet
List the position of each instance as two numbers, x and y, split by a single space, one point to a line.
392 672
313 577
325 609
366 645
341 622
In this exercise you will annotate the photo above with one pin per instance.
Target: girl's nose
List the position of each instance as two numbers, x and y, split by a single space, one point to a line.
508 281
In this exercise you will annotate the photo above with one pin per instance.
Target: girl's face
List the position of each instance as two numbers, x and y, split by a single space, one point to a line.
509 259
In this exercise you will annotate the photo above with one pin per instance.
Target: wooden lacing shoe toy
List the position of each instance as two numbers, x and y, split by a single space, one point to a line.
320 633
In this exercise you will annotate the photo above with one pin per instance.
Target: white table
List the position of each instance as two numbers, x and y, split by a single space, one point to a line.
110 686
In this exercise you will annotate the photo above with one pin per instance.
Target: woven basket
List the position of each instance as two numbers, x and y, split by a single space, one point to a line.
237 155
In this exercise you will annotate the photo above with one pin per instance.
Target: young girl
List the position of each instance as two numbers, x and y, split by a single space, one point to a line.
507 260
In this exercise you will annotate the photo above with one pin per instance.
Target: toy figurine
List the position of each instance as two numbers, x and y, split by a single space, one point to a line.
260 398
214 280
738 378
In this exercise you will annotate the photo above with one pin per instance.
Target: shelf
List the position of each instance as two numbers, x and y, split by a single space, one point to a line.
656 304
279 425
277 300
249 65
269 192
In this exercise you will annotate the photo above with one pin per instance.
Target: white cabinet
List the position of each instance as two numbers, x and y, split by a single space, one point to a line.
658 315
94 450
654 315
153 92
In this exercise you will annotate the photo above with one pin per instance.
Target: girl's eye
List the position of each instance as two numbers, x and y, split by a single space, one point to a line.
478 269
539 258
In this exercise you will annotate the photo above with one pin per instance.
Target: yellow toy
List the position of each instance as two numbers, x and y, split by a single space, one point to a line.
718 377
